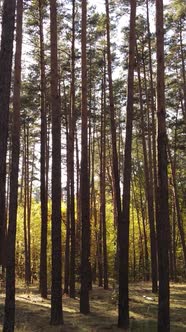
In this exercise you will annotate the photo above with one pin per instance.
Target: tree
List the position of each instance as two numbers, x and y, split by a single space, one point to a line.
84 176
6 53
56 291
115 165
123 306
44 210
71 157
11 238
163 215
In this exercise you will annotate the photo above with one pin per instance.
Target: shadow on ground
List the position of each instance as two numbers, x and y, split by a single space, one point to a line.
33 313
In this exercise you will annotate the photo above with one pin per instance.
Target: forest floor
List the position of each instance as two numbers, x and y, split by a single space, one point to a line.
33 313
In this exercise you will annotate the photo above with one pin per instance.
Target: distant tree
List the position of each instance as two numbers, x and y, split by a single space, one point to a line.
103 179
115 165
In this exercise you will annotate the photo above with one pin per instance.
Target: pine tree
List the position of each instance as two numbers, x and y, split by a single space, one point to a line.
123 306
84 185
163 215
56 291
11 237
6 53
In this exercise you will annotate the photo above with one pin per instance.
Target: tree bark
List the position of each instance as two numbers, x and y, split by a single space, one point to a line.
163 215
71 159
56 290
43 186
123 307
9 317
84 177
148 185
6 52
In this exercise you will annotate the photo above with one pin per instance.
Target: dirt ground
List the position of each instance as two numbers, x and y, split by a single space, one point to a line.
33 313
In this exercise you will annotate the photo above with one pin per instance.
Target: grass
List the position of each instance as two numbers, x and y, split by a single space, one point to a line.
33 313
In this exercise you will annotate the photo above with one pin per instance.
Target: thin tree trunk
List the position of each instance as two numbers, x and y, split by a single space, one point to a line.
103 182
78 203
178 211
183 70
28 185
43 192
71 161
174 242
136 206
133 242
112 119
25 207
153 110
148 188
67 241
29 215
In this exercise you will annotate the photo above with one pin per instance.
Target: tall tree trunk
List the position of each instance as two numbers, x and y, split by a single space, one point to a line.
115 165
43 189
67 242
29 199
25 206
67 239
9 317
102 181
147 262
71 161
6 52
56 290
28 185
133 243
78 203
163 216
183 70
141 254
153 110
123 309
177 205
148 186
85 213
174 242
